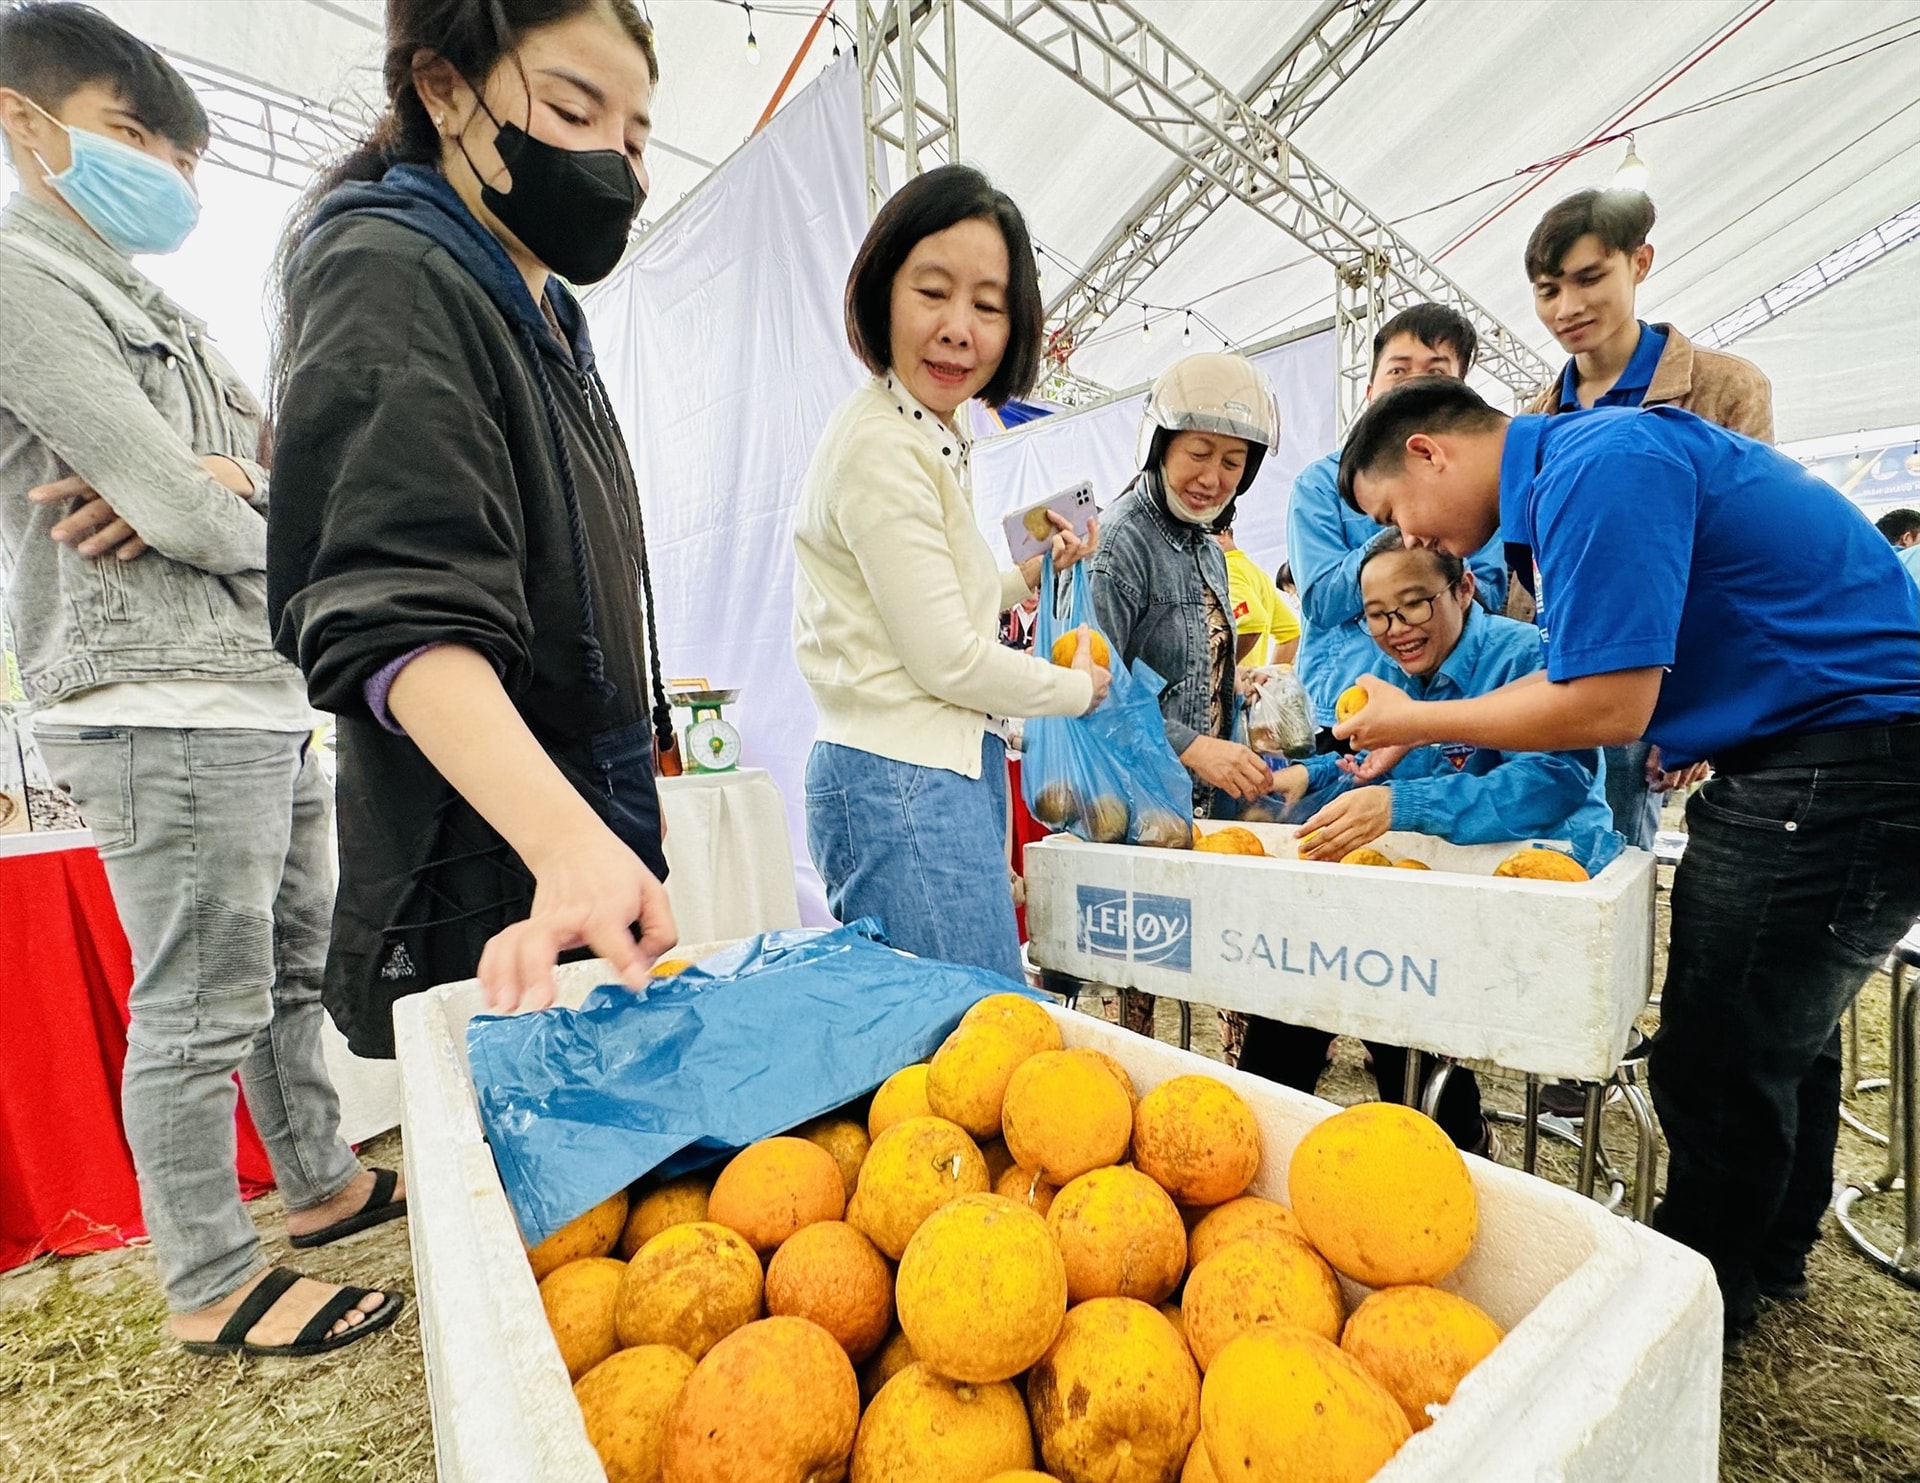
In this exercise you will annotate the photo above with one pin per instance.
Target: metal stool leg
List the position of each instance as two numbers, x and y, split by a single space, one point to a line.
1851 1082
1646 1148
1903 1153
1186 1025
1436 1086
1590 1139
1410 1088
1530 1134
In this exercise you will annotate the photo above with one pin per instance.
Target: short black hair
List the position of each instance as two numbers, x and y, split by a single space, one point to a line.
1622 220
1425 404
1897 525
1449 567
50 51
931 203
1284 577
1435 326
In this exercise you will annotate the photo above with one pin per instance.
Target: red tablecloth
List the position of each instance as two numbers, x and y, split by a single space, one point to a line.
66 1178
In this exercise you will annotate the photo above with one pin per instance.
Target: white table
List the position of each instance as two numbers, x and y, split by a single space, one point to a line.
729 856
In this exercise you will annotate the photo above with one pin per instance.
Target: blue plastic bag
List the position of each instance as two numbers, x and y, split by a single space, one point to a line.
1111 776
578 1103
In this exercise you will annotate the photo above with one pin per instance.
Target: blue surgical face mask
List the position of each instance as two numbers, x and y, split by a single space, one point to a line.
137 204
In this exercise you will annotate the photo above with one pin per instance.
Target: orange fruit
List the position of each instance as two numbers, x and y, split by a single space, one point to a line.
1248 1216
889 1360
1120 1236
998 1159
1281 1405
1365 855
772 1188
624 1401
901 1096
913 1169
1540 865
1230 840
1352 701
593 1233
1198 1469
967 1081
925 1428
1197 1139
1419 1342
580 1299
689 1287
1066 648
1113 1068
1025 1017
981 1289
1116 1396
1411 864
668 967
774 1402
1065 1114
677 1202
832 1274
843 1137
1025 1187
1384 1195
1266 1279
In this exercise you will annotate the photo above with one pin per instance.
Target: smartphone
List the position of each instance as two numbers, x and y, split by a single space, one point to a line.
1029 532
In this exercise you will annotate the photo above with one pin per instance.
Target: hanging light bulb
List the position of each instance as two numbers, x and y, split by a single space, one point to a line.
753 45
1186 328
1632 174
1146 326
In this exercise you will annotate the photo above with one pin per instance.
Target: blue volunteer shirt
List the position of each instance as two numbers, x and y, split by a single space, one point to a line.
1660 539
1325 541
1631 389
1910 559
1481 795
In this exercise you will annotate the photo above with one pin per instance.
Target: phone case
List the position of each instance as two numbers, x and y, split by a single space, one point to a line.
1029 532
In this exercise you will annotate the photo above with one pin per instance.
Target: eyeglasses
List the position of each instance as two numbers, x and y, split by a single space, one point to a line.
1416 614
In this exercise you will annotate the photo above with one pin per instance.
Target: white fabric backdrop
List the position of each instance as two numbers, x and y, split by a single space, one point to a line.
722 347
1039 458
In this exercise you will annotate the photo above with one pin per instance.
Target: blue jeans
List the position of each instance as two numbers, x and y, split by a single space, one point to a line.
1636 807
217 847
921 848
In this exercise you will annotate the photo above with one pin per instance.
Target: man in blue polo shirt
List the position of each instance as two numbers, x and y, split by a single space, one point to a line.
1326 540
1671 559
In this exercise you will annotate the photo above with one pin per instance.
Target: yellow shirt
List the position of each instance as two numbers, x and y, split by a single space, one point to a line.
1258 607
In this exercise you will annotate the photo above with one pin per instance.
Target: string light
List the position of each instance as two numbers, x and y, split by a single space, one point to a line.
753 44
1146 326
1632 174
1186 328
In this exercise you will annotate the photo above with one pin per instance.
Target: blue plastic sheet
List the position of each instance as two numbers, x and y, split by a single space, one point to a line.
578 1103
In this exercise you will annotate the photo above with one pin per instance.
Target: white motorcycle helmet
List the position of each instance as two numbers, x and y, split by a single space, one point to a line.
1214 392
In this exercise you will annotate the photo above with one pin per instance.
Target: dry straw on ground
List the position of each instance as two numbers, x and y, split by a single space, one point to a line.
1827 1391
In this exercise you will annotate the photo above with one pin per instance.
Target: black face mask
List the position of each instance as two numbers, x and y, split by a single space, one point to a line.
571 208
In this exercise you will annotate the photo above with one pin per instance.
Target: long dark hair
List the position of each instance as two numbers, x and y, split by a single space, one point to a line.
471 36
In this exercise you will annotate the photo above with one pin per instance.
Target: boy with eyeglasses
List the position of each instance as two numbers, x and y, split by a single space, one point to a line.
1431 640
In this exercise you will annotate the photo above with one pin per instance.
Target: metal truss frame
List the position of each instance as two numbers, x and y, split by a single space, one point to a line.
1837 266
263 132
1116 54
1337 39
909 86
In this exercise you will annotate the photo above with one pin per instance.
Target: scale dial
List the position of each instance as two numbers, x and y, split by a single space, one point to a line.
713 745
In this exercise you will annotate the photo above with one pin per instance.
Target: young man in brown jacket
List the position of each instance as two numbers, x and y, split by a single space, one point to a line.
1586 260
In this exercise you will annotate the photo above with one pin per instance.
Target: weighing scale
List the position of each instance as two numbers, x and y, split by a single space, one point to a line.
712 744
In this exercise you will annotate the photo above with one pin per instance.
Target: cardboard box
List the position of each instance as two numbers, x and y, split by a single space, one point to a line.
1610 1369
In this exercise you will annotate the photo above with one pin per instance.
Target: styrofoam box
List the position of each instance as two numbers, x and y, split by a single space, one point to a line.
1610 1368
1539 976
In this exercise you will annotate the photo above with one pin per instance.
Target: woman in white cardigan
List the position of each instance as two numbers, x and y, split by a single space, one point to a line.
897 596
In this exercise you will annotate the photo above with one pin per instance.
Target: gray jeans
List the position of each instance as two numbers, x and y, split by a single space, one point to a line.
216 846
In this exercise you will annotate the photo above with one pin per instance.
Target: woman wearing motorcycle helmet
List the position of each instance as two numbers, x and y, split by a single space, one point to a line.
1160 585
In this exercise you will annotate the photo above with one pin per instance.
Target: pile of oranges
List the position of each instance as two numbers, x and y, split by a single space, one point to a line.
1016 1263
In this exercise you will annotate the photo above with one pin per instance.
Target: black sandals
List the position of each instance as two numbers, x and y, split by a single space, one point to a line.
315 1338
380 1208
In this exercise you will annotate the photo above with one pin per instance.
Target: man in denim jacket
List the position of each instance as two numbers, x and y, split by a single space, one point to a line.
133 531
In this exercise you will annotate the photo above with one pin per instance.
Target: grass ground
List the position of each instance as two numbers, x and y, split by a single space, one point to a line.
1827 1391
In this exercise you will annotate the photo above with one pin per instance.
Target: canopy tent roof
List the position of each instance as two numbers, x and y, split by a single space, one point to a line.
1775 131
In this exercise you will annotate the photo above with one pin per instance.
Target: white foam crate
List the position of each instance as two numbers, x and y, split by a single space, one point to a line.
1534 976
1610 1368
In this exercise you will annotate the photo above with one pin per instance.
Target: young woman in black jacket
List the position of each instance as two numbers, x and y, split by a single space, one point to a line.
455 552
